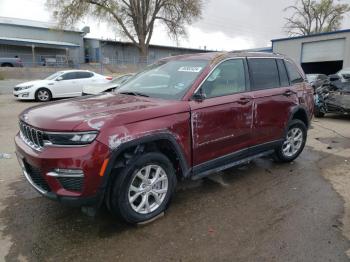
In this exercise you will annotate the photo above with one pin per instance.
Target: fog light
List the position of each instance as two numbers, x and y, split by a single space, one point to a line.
25 95
60 172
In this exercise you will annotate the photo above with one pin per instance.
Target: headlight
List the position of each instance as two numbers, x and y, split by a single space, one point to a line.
24 87
69 139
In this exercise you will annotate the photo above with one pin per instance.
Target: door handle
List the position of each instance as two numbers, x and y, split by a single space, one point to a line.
244 100
288 93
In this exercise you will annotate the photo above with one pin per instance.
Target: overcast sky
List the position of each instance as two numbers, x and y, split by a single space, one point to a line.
225 24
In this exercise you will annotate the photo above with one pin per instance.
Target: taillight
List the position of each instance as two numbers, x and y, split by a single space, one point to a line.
109 77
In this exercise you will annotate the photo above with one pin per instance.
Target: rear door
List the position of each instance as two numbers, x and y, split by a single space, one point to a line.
221 123
83 79
273 99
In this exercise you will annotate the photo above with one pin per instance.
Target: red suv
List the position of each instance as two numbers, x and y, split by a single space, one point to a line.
183 117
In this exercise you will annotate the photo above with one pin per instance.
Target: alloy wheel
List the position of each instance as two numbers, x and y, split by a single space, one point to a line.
293 142
148 189
43 95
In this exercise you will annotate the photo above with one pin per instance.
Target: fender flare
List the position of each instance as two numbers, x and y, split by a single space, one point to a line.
146 139
292 114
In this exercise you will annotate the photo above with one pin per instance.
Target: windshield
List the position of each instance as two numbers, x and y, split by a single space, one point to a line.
311 78
53 76
169 80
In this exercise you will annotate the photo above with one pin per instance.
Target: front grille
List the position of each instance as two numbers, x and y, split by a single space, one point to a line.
36 176
71 183
32 136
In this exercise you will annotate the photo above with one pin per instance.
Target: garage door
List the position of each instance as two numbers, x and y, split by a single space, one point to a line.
321 51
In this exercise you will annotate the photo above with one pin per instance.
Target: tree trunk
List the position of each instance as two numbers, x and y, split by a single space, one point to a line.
143 51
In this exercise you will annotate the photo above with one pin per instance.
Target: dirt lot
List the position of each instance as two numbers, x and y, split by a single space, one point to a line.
261 212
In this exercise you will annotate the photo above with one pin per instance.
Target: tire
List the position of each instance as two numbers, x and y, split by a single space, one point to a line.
43 95
130 194
318 113
287 154
6 65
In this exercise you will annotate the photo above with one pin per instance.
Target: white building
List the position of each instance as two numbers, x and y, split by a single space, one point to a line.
319 53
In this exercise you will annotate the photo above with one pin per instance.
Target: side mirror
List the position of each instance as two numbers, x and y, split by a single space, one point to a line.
199 96
59 78
334 78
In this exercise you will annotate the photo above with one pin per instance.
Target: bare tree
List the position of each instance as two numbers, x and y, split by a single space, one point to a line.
134 18
311 16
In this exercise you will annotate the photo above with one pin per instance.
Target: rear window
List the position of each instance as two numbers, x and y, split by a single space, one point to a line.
294 75
80 75
264 73
69 76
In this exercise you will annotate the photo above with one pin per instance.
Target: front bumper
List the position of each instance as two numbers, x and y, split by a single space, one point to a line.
25 94
38 169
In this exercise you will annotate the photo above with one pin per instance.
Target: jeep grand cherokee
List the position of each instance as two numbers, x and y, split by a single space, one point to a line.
183 117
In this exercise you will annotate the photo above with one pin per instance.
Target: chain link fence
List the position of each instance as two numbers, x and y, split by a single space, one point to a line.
42 60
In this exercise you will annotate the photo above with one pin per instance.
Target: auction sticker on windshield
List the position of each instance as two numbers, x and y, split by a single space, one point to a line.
192 69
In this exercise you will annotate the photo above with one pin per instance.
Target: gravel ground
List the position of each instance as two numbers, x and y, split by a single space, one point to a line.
260 212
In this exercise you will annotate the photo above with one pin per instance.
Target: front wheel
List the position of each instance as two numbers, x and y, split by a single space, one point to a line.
43 95
293 143
143 189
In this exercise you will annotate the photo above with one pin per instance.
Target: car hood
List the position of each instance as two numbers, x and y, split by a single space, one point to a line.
95 112
98 88
35 82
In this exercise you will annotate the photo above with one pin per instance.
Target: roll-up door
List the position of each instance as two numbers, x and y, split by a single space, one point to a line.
322 51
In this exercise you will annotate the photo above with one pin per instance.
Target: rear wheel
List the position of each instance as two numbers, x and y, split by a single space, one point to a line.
43 95
293 143
143 189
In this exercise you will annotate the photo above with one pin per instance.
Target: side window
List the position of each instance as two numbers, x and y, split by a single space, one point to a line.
83 75
226 79
283 73
294 75
264 73
69 76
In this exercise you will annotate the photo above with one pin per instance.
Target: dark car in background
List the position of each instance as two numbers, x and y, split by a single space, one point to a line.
317 80
333 97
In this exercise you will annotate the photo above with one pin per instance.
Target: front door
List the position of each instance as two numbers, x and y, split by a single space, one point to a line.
221 123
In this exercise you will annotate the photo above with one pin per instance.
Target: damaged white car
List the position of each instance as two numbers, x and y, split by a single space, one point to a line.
61 84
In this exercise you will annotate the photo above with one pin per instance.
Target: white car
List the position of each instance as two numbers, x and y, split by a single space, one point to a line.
106 87
61 84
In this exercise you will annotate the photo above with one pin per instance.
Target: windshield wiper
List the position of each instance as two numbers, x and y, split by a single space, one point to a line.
134 94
